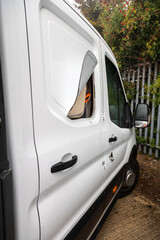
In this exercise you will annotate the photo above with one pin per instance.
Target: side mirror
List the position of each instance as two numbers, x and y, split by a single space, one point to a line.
142 116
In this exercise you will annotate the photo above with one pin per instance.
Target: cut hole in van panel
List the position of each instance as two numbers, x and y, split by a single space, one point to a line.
84 104
65 50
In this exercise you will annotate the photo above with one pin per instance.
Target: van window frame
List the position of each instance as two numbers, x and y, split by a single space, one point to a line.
4 164
128 115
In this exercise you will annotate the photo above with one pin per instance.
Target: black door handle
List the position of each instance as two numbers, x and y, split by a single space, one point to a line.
64 165
113 139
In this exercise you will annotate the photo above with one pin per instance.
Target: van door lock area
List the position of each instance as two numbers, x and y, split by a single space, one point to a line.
111 157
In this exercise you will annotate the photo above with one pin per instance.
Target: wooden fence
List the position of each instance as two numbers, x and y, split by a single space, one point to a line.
139 82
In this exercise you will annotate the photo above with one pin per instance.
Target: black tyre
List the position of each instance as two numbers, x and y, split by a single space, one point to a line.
131 179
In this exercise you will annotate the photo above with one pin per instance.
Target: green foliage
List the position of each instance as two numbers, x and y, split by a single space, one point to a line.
153 92
130 27
144 141
141 140
130 89
91 12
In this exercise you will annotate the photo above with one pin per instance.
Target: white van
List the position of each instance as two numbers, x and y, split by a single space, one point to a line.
67 141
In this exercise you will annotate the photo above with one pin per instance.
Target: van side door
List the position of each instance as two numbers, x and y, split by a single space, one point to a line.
67 109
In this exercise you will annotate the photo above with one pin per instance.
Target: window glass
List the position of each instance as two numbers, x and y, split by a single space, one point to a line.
84 104
117 102
112 93
122 104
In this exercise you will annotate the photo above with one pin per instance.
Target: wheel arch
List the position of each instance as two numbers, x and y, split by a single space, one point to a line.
133 154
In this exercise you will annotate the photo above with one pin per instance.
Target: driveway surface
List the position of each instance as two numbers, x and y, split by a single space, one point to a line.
137 216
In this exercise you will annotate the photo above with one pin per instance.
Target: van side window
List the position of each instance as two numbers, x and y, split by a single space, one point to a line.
84 104
117 102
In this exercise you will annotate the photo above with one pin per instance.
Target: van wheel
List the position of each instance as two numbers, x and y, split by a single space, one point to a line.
130 180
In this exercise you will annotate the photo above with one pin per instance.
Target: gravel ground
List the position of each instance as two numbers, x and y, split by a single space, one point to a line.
137 216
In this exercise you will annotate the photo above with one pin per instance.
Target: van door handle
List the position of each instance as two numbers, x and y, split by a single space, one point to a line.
113 139
64 165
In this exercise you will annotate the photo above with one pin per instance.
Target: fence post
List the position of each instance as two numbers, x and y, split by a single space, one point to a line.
142 97
148 94
137 94
128 75
132 101
157 133
153 112
124 75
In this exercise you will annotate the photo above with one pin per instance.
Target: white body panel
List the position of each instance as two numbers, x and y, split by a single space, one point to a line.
19 125
44 42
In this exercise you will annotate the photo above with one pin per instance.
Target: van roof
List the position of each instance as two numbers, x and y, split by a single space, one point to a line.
90 25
